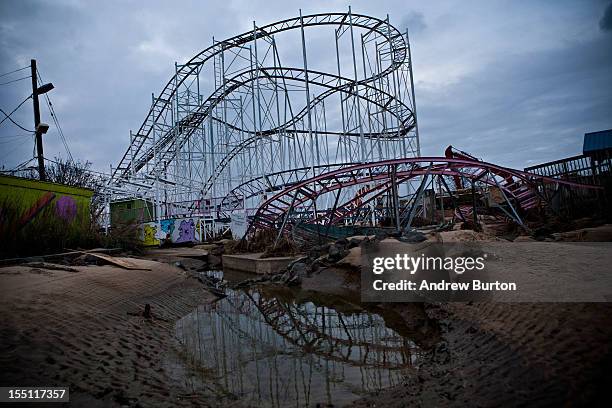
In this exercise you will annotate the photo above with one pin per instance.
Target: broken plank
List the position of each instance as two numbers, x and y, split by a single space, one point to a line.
122 263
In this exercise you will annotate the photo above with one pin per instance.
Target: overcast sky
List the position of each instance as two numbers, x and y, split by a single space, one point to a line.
513 82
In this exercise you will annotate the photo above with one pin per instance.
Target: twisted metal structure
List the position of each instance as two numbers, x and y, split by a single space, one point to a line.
297 97
296 202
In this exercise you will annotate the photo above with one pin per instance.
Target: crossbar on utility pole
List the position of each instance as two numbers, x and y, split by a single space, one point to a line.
39 143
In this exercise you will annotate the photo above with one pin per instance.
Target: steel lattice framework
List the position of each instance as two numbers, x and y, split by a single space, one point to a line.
292 99
296 202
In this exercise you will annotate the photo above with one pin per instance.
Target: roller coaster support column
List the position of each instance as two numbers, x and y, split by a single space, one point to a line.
395 198
356 90
516 216
309 115
418 197
280 231
416 122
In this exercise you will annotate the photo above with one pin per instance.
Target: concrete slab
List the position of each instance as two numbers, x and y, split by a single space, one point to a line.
253 263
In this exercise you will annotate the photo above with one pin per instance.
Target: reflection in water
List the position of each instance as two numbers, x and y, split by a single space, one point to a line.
275 351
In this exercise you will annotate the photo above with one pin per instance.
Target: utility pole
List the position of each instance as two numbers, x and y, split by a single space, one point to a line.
39 133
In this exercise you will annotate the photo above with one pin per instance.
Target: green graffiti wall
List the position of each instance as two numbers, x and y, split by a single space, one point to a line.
22 200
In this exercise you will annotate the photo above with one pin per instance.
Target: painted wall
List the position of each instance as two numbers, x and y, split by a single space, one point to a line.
177 230
30 197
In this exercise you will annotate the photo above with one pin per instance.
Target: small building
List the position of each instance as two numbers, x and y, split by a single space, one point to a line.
131 210
598 146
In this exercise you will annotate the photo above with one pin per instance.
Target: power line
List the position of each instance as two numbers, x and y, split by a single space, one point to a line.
55 119
15 136
16 70
15 80
15 123
25 163
57 124
13 111
9 152
10 141
86 170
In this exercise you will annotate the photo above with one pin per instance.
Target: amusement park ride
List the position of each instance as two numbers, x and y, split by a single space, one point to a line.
308 120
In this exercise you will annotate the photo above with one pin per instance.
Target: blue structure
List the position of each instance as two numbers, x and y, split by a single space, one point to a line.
597 142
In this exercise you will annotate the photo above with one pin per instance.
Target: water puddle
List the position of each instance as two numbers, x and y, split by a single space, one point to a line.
264 345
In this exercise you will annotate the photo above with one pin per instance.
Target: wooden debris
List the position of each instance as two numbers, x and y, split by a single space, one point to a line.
50 266
60 256
122 263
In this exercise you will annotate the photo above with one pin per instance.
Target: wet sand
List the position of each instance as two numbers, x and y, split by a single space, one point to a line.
84 330
497 354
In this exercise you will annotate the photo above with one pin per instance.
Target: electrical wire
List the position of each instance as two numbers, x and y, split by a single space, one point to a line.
15 80
16 70
14 136
25 163
9 142
55 119
15 123
106 175
13 111
9 152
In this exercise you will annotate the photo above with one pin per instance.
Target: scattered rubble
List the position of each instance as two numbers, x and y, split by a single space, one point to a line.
352 260
214 286
412 237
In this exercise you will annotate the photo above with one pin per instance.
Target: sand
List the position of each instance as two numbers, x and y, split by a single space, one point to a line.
83 330
512 355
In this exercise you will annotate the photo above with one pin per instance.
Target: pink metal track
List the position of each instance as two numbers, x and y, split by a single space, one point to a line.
525 189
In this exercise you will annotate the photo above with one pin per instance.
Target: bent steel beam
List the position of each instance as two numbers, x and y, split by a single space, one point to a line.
512 183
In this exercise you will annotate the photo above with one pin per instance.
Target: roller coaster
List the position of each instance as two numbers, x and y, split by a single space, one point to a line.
310 120
298 96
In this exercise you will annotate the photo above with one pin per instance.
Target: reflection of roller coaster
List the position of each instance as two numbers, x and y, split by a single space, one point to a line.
354 339
297 97
242 336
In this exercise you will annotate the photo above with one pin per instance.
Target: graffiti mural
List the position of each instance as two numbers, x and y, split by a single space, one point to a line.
66 208
177 231
186 231
167 227
149 231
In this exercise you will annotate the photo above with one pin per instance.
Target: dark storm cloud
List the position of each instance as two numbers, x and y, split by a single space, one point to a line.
511 82
523 110
606 20
414 22
105 60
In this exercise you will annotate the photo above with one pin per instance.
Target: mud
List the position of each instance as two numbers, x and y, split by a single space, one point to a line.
269 345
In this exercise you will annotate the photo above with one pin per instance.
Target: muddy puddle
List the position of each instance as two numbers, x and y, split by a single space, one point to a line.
279 347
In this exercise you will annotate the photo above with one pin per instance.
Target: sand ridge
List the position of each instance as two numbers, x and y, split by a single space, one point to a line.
84 330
